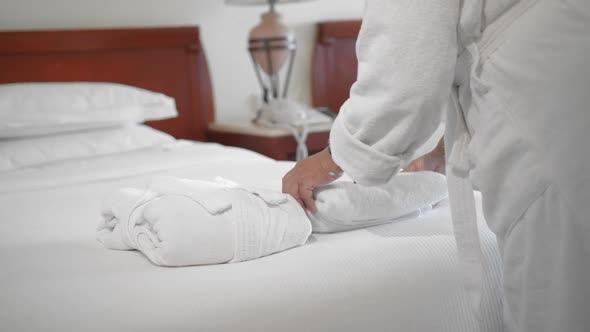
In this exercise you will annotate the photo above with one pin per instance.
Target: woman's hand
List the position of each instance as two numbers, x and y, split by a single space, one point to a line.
309 174
433 161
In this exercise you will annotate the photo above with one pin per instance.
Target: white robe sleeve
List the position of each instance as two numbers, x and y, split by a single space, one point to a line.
406 52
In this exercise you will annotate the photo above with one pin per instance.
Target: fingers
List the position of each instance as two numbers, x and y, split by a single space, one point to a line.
308 174
441 168
290 186
306 194
415 166
300 190
433 161
286 183
303 194
409 168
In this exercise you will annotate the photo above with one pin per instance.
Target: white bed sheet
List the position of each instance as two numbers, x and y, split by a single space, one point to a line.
55 276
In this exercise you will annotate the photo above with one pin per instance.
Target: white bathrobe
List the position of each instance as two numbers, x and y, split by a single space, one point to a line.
182 222
518 73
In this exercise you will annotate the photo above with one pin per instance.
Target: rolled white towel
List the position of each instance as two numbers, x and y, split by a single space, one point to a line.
345 205
179 222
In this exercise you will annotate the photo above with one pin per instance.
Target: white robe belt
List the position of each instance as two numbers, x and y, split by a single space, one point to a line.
462 117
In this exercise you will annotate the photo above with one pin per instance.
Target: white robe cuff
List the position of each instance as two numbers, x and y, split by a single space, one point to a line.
361 162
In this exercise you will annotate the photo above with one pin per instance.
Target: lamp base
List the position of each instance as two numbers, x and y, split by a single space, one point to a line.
271 46
269 43
283 112
287 112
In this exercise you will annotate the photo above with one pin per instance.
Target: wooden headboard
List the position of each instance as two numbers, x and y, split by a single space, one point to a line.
334 65
167 60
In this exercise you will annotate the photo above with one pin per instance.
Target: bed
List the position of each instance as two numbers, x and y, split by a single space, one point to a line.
334 63
55 276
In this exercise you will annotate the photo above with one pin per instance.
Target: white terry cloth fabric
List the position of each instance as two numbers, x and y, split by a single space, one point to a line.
509 65
346 205
49 253
180 222
407 51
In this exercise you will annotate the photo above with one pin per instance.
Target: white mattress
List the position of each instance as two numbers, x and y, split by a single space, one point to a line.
55 276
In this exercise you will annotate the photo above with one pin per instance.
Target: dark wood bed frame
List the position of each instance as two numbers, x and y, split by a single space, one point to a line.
167 60
334 64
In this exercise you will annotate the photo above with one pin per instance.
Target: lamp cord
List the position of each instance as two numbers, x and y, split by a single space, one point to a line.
299 132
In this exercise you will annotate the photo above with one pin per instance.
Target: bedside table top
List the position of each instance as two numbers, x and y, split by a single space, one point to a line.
248 128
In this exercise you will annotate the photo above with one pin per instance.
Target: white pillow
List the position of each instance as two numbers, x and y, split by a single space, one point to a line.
28 109
34 151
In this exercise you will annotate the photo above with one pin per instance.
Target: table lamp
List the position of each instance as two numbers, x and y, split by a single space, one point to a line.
272 46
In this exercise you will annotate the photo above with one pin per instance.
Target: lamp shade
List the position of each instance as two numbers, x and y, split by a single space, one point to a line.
258 2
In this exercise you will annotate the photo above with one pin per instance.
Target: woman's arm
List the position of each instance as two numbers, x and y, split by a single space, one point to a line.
432 161
407 51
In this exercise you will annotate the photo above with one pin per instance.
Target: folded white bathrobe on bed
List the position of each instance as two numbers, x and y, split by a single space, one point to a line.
178 222
343 205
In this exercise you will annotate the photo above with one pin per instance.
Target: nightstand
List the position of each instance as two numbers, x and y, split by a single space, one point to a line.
278 144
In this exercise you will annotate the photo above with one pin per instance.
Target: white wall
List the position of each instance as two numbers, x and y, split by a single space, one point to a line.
224 34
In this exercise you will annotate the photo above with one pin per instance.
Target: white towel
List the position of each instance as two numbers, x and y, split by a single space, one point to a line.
179 222
345 206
